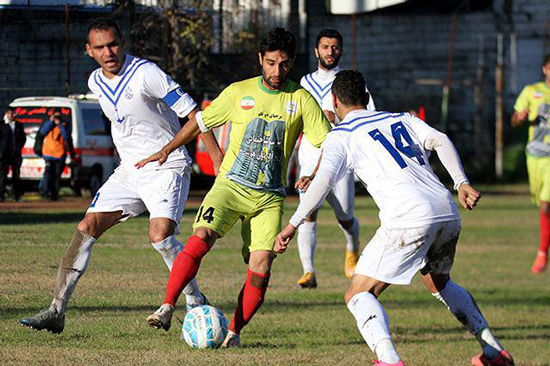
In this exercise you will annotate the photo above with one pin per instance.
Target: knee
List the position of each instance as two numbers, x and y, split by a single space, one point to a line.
545 208
158 236
354 291
207 235
260 262
86 226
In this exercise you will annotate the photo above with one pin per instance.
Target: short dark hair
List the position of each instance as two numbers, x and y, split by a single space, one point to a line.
279 39
103 24
546 60
349 88
329 33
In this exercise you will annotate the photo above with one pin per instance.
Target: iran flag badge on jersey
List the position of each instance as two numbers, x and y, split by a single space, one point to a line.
247 103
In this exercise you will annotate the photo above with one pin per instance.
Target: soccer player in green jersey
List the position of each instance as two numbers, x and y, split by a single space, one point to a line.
267 114
533 105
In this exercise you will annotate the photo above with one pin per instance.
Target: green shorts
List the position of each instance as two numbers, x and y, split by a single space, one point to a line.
539 178
260 212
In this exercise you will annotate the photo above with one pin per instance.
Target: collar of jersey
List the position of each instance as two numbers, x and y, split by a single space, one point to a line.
131 64
269 91
323 74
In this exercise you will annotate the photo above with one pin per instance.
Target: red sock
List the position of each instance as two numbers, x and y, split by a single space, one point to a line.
185 268
544 232
250 299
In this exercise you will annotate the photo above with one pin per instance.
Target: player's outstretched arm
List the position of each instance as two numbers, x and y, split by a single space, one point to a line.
189 132
213 149
468 196
304 182
283 239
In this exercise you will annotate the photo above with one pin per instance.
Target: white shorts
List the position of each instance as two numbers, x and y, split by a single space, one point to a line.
342 196
395 255
162 192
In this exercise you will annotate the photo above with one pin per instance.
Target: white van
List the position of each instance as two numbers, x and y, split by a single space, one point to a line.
93 146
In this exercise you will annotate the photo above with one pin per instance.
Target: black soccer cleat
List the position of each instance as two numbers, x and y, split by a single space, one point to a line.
48 319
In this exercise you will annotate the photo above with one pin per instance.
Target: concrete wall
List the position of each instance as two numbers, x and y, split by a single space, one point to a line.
404 59
33 56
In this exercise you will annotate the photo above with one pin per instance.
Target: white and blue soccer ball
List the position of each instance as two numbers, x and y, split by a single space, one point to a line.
204 327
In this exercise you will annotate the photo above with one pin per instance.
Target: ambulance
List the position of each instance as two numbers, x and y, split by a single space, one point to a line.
94 159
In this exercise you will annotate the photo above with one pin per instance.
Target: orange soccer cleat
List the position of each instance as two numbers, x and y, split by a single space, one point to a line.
503 359
351 262
540 263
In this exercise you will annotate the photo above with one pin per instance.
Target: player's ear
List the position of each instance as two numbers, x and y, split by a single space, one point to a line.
367 98
334 101
316 52
89 50
260 58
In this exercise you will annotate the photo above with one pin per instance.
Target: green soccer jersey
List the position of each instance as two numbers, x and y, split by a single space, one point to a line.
536 99
265 126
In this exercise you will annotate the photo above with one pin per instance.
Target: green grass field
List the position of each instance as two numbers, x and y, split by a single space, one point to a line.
126 279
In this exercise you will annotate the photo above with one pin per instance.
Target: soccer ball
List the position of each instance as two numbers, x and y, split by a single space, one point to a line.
204 327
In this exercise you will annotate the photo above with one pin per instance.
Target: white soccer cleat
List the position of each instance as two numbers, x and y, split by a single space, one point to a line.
231 340
162 318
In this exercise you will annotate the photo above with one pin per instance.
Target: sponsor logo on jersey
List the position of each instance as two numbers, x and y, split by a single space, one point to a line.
291 107
128 94
537 95
247 103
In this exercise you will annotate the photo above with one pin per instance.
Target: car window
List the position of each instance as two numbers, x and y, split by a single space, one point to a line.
95 122
32 117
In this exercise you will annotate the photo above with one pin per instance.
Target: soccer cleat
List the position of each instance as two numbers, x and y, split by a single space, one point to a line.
47 318
190 307
503 359
540 263
380 363
351 262
162 318
308 280
231 340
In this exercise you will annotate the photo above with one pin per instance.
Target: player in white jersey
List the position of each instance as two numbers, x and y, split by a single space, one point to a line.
328 51
143 105
419 221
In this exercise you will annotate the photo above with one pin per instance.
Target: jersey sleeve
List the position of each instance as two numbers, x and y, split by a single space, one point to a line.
303 82
522 103
421 129
158 85
316 125
333 167
218 112
335 156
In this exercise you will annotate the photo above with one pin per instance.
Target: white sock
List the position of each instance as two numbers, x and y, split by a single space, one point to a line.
352 236
169 249
73 265
372 322
307 241
463 306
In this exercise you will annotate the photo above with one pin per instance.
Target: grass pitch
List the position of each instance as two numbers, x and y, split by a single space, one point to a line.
126 279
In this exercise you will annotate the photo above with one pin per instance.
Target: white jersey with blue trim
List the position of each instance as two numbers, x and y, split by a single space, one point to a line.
319 84
388 152
143 105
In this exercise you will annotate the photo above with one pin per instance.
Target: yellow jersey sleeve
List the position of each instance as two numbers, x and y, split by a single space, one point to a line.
522 103
219 111
316 125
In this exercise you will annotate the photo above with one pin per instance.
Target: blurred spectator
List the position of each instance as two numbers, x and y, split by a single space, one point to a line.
6 139
57 143
17 143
